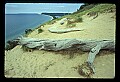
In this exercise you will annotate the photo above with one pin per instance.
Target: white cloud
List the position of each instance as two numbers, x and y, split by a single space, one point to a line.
59 6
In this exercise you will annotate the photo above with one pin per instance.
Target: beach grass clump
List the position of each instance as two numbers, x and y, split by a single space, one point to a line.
75 20
70 21
40 30
79 19
71 25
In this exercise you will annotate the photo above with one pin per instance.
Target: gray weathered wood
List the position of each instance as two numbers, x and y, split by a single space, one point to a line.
94 46
55 45
60 30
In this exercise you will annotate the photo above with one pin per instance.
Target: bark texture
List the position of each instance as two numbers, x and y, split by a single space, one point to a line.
94 46
52 44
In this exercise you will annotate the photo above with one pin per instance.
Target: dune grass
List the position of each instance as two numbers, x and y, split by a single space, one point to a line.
101 8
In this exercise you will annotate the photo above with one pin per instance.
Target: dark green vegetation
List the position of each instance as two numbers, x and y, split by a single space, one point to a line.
99 8
40 30
27 32
71 22
84 7
79 19
11 44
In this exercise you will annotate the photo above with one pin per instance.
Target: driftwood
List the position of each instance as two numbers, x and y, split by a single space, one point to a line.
60 30
51 44
94 46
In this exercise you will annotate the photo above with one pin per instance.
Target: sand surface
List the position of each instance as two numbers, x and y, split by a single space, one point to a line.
62 64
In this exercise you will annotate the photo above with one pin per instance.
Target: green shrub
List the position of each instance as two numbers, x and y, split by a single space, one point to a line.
79 19
40 30
71 21
27 32
75 20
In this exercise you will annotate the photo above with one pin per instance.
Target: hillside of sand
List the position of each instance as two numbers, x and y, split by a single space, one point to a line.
62 64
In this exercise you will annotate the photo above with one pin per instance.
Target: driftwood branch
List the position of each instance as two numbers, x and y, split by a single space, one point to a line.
59 30
56 45
94 46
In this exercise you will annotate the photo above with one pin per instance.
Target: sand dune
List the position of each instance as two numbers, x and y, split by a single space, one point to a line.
63 64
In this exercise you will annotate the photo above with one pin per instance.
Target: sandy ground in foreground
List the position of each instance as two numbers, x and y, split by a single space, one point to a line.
62 64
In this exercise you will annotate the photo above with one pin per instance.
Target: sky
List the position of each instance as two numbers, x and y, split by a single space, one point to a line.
14 8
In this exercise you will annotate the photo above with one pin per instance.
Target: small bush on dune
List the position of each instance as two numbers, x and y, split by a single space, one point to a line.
40 30
27 32
79 19
75 20
71 21
68 22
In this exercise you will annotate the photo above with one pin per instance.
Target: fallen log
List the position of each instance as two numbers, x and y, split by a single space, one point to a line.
55 45
94 46
60 30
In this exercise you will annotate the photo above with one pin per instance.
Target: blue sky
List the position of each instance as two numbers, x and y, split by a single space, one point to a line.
11 8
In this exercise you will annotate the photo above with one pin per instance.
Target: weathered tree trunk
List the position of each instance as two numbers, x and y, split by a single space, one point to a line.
56 45
94 46
60 30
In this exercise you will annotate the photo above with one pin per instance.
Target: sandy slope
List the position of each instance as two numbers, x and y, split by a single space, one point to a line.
63 64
